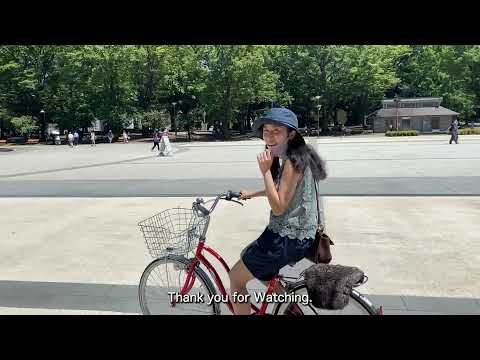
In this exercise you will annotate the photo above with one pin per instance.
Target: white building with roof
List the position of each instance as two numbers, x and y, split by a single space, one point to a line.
422 114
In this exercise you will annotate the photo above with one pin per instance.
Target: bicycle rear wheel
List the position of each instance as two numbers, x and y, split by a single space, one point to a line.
167 275
357 305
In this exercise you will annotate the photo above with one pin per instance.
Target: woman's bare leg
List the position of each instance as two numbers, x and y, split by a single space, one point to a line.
239 277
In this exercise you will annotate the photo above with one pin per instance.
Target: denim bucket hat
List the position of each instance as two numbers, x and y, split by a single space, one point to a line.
279 116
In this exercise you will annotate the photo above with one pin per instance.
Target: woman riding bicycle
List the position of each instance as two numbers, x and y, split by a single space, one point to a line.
289 168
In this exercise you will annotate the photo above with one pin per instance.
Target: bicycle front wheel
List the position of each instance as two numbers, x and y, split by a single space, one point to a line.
357 305
163 278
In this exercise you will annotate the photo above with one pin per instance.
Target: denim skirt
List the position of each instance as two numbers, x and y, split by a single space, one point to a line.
267 255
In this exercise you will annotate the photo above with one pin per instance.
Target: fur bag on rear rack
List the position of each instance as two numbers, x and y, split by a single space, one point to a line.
329 286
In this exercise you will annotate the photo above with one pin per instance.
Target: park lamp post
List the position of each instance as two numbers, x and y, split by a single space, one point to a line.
396 100
44 125
318 116
317 99
174 118
190 123
194 98
180 113
176 125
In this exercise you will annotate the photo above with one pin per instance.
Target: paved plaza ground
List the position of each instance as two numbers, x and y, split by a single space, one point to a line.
404 210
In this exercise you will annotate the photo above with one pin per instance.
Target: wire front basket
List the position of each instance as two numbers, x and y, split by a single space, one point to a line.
173 231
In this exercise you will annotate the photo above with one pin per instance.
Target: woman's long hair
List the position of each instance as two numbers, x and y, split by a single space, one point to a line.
302 155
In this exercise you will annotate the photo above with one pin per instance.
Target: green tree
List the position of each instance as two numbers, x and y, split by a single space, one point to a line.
27 76
72 101
24 125
184 79
111 84
442 71
305 72
154 120
352 78
364 76
149 72
237 75
77 84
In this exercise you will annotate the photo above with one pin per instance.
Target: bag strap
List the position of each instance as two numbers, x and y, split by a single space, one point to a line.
318 205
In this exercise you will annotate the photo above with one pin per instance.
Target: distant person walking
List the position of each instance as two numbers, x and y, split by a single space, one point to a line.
76 138
70 139
165 148
110 136
156 141
125 137
453 129
92 138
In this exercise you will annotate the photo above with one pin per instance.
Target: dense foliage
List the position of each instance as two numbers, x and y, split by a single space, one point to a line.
223 84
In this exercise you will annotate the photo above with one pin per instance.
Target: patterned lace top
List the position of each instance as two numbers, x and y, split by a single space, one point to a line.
300 220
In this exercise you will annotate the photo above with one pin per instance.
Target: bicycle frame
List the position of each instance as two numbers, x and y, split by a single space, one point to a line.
199 258
278 280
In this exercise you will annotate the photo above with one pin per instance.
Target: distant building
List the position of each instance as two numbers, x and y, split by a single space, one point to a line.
422 114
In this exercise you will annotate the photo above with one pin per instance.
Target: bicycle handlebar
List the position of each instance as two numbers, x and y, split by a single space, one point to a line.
232 194
229 196
202 209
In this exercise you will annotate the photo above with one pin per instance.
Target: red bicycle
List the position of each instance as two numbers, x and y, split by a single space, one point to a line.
176 282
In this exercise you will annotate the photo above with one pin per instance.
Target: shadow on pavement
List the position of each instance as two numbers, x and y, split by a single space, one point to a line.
69 296
123 299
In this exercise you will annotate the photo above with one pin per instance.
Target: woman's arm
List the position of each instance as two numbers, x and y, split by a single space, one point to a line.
248 194
280 199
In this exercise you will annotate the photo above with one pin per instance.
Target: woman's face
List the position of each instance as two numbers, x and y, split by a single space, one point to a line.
275 134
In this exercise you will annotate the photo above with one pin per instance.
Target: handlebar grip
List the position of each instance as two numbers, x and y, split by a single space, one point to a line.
234 194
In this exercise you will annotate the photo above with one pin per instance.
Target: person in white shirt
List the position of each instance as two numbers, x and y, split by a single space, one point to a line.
70 139
165 147
110 136
76 138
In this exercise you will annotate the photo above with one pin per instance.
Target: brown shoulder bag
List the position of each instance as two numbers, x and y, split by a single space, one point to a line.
320 252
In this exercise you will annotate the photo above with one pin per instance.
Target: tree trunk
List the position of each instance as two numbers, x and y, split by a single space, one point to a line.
226 123
247 120
324 119
173 124
228 113
242 122
242 125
